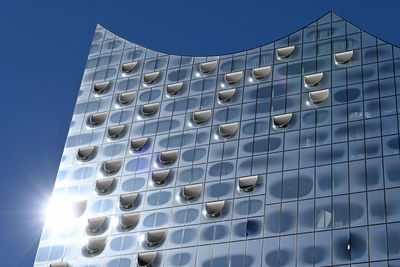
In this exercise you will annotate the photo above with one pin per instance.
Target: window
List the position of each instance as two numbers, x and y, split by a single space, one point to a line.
149 78
104 185
226 95
159 177
285 52
128 220
138 143
313 79
128 67
154 238
214 209
190 192
283 120
262 72
126 201
201 116
208 66
174 88
95 224
234 77
227 130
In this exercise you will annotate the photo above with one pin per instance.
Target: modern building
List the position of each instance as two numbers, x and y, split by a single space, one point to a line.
282 155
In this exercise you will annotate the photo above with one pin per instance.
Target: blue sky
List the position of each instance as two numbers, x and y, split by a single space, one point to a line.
44 46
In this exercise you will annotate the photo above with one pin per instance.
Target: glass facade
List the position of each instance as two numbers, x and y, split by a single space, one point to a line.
282 155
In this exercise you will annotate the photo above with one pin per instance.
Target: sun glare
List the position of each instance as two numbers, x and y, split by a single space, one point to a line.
60 213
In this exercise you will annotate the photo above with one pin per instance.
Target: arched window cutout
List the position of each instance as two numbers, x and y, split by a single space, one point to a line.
318 96
313 79
208 66
138 143
174 88
115 131
215 208
104 184
148 109
126 98
151 77
201 116
85 152
111 166
98 118
155 237
159 177
145 259
190 192
95 224
343 57
128 220
233 77
168 157
128 67
60 264
283 120
100 87
285 52
226 95
78 208
262 72
248 183
96 244
228 129
126 201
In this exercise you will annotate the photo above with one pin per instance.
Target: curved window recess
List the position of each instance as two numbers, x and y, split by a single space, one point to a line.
78 208
282 121
103 185
226 95
100 87
313 79
343 57
138 143
233 77
115 131
215 208
285 52
85 152
155 237
318 96
148 109
248 183
111 166
129 220
96 244
190 192
128 67
262 72
201 116
151 77
126 201
60 264
208 66
228 129
168 157
95 224
159 177
145 259
126 98
98 118
174 88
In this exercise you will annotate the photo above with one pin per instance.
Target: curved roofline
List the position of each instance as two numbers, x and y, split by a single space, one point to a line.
252 48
